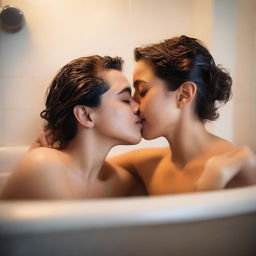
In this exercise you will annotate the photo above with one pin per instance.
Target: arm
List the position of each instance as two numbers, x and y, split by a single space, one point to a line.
139 163
44 139
140 160
126 183
232 169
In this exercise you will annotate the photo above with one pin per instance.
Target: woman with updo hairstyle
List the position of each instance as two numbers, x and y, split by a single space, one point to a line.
179 88
183 59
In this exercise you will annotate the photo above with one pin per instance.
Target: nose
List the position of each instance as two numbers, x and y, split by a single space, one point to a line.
135 106
136 97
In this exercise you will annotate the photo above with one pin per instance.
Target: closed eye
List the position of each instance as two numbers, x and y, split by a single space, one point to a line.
127 101
126 95
143 93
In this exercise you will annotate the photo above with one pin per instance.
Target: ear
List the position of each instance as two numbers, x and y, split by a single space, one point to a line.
84 115
186 93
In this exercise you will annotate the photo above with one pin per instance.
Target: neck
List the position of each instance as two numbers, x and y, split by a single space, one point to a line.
87 154
188 140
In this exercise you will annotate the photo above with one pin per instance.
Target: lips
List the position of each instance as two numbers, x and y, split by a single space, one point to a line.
141 117
139 123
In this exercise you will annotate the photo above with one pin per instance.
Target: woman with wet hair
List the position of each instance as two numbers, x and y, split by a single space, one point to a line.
179 88
89 110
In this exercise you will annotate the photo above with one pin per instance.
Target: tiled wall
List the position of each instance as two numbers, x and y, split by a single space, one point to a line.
58 31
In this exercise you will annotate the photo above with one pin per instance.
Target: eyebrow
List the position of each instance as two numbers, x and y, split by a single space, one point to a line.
136 83
126 89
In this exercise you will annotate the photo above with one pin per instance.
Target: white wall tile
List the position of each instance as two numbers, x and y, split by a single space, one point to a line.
2 88
20 127
245 123
22 93
2 128
224 51
245 86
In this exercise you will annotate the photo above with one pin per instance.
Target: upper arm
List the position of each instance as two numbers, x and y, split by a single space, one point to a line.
138 160
124 183
36 178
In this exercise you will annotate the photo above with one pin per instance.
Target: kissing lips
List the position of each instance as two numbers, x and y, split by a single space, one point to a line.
139 124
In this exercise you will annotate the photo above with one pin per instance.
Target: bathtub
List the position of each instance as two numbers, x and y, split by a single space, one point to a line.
209 223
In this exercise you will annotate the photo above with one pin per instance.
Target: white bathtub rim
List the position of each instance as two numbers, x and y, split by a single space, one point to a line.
47 216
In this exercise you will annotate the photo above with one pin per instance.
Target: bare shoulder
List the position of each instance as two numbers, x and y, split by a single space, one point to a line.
221 146
39 160
35 176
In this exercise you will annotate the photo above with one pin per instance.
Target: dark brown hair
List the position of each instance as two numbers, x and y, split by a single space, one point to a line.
182 59
78 83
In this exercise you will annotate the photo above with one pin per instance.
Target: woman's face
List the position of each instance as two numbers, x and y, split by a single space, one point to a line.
158 108
117 115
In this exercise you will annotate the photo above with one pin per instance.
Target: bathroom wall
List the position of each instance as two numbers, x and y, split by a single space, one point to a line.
57 31
245 75
234 46
224 52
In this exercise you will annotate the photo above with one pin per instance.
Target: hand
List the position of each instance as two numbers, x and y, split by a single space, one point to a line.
237 166
44 139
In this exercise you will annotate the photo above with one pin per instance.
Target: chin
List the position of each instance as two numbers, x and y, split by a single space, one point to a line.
133 140
148 135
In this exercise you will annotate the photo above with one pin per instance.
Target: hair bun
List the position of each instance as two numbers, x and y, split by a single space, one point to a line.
220 84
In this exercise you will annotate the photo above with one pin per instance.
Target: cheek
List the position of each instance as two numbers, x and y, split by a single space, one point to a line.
159 109
116 116
151 105
122 112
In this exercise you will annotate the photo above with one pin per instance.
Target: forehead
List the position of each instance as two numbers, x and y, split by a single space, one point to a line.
143 70
116 80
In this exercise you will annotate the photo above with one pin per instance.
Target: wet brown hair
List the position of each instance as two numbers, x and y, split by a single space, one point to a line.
182 59
78 83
